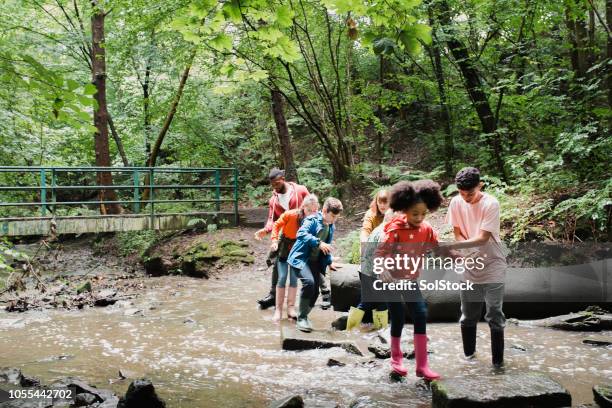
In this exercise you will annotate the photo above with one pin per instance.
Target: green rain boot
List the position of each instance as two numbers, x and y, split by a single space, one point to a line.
303 323
380 319
354 318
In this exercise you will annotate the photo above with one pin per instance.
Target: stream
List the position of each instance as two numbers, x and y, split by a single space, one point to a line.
204 343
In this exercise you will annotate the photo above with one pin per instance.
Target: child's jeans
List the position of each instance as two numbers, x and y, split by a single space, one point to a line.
418 314
492 294
283 271
310 276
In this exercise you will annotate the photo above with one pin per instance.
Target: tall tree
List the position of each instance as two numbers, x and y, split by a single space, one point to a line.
283 135
474 85
98 69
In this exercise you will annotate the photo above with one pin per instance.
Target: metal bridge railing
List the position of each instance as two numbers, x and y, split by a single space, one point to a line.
132 180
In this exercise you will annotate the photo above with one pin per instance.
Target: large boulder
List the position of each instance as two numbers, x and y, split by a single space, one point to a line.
141 393
603 395
500 391
530 293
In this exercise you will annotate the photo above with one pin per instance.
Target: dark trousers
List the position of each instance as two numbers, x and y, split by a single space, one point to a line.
418 313
310 276
272 260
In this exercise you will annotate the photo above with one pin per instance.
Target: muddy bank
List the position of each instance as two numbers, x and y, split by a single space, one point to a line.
92 271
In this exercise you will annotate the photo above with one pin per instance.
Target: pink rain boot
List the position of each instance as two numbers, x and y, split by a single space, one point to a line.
397 357
420 355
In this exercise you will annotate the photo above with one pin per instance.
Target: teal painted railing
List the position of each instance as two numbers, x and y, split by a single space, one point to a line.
130 183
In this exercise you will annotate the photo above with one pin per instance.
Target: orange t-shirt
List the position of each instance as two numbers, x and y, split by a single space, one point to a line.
289 223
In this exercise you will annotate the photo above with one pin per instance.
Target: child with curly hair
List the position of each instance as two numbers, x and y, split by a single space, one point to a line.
409 231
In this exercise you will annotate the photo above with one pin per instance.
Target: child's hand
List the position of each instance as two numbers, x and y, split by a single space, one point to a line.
260 234
333 267
274 246
325 248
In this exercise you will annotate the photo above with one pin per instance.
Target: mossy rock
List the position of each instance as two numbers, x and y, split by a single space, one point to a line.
224 243
85 287
198 259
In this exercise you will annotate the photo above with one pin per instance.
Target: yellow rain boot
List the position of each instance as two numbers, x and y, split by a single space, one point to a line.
354 318
380 319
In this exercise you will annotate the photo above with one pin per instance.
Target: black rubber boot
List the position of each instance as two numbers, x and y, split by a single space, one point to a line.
497 348
270 299
267 301
468 336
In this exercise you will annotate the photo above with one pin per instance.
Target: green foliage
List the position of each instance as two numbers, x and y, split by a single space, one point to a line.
136 242
350 247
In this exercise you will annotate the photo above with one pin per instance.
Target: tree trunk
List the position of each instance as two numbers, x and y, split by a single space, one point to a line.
168 121
475 89
98 64
578 38
145 106
118 142
609 51
166 126
283 136
449 148
379 136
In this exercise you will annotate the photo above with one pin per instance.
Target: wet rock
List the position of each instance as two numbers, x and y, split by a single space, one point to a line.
603 395
505 390
85 399
581 321
111 402
82 387
133 312
105 297
379 350
28 382
383 351
195 268
123 374
518 347
332 362
56 358
10 375
293 339
157 266
345 287
141 393
598 340
340 323
289 401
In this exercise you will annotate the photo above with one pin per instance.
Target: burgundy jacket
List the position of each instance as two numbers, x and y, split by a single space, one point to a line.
275 210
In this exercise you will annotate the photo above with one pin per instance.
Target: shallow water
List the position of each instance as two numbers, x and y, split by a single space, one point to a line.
205 344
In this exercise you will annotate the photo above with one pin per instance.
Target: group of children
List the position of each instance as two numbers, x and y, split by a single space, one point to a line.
302 239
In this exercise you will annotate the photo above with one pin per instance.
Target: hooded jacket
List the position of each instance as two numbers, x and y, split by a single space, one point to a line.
275 210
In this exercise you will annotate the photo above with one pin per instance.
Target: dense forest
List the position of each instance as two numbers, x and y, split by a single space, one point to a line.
346 95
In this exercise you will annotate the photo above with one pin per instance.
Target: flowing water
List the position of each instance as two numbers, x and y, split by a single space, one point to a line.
203 343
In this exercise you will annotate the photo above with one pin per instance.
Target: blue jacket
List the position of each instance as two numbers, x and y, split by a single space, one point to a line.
306 240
